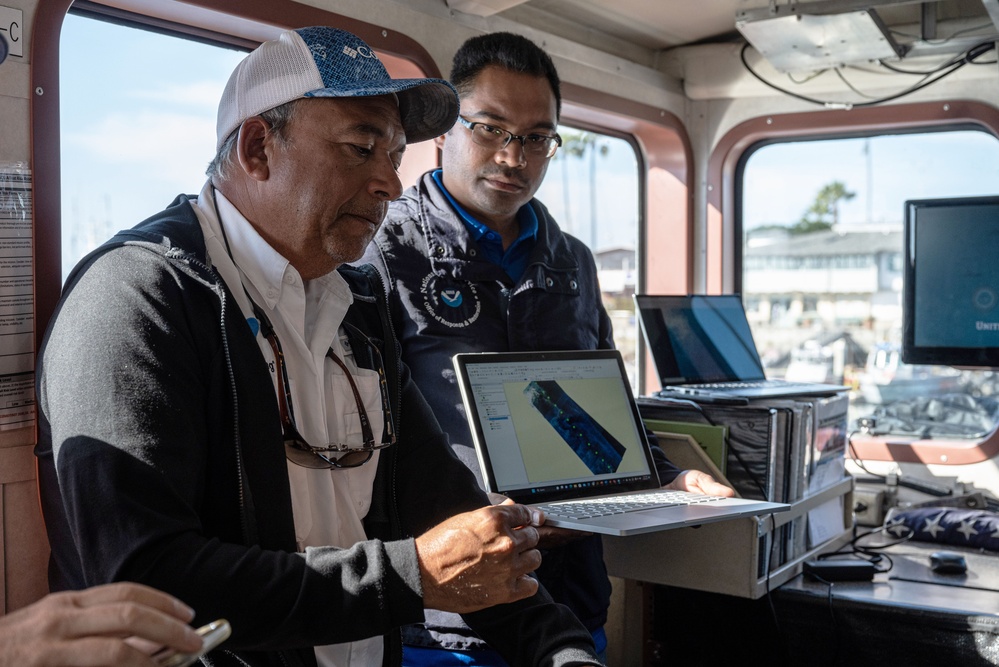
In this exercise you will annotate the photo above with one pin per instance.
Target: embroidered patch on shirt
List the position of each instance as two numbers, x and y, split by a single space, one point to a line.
452 303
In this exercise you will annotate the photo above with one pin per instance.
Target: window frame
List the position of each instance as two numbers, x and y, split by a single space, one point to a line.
724 257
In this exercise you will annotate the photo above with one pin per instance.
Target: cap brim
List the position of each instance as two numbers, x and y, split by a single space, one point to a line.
428 107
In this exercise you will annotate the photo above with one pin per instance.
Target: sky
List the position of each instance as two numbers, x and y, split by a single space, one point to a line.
130 147
781 180
615 197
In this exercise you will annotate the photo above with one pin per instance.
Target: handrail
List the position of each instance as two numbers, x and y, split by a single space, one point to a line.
925 451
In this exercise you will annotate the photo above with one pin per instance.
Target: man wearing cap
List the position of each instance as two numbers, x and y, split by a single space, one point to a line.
232 423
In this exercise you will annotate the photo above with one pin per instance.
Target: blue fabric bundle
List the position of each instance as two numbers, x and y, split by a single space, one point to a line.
946 525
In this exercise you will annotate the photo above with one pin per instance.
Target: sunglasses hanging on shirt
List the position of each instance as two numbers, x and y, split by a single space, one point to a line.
335 455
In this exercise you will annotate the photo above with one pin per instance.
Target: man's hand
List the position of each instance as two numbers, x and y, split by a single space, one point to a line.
549 537
696 481
116 624
479 559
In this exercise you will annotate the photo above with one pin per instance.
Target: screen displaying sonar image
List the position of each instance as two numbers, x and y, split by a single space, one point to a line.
546 423
600 451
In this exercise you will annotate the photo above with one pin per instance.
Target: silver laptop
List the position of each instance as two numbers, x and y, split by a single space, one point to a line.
702 345
561 431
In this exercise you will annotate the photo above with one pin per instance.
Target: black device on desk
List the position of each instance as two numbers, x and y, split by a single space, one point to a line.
840 569
948 562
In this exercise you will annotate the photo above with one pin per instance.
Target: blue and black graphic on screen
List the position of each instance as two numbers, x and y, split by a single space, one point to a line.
600 451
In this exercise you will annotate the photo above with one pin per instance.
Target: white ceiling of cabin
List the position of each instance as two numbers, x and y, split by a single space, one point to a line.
655 24
659 25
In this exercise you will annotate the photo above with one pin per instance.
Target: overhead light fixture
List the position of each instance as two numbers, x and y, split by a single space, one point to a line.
483 7
796 42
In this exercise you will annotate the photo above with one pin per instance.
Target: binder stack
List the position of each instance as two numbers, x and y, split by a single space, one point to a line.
780 450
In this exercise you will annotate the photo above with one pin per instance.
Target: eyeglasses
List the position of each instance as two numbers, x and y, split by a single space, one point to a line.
496 139
332 456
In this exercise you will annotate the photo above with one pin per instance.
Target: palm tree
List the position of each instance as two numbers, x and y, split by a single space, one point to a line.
580 144
826 204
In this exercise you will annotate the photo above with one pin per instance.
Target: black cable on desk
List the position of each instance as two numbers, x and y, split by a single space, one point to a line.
870 552
837 643
770 600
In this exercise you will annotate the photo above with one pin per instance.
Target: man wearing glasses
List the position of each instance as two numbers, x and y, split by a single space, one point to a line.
223 411
474 263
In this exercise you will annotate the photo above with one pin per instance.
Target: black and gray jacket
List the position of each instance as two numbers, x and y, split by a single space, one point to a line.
162 462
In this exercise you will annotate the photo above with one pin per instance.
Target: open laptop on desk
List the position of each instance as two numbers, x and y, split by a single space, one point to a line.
554 429
702 345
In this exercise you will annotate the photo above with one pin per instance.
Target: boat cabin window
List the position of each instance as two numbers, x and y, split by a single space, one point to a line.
821 271
591 189
144 130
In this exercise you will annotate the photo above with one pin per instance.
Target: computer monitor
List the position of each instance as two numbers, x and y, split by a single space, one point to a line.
950 303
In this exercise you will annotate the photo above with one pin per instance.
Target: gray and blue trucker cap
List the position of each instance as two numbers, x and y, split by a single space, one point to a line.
328 62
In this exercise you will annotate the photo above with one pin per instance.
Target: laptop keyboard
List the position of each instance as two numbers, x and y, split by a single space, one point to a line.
747 384
594 507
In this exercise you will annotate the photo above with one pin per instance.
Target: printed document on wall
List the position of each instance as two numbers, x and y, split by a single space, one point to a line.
17 299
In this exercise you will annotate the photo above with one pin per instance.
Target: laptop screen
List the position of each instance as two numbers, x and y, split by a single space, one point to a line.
555 425
699 338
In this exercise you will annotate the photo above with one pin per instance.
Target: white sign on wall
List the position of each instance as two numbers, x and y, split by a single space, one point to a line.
17 298
12 30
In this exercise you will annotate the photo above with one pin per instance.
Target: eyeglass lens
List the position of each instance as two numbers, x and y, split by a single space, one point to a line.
497 138
303 454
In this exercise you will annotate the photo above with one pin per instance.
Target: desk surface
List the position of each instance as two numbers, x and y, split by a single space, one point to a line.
906 616
910 583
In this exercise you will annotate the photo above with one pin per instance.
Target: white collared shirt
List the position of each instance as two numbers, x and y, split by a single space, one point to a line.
328 505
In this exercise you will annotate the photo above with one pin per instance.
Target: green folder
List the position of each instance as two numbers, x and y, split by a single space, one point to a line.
712 439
